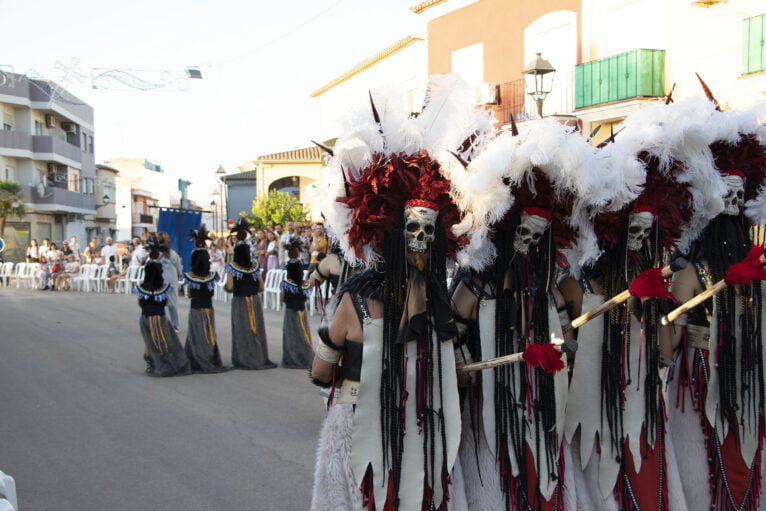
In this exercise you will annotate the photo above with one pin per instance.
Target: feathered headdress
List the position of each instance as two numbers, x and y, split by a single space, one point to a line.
387 158
241 228
199 236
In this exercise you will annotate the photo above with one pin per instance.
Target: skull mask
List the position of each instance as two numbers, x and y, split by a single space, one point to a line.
640 223
419 227
530 229
735 197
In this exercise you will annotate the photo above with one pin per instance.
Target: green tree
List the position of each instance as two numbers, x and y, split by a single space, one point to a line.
11 202
277 207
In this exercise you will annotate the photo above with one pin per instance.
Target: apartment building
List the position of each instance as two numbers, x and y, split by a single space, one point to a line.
46 145
141 187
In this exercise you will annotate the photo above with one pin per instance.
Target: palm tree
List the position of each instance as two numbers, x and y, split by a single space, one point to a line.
11 202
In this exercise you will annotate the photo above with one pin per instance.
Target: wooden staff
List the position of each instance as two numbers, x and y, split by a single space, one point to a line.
676 265
712 290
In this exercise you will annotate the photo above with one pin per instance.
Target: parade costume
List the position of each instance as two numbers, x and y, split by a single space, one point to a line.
390 207
249 349
297 351
531 188
201 340
164 354
616 410
716 389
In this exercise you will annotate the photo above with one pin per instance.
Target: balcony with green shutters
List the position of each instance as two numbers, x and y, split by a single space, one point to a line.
754 44
634 74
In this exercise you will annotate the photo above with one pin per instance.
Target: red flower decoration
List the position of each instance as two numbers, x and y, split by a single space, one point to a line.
751 268
544 356
651 284
379 195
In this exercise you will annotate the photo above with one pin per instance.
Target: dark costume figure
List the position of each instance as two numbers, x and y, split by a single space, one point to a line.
297 352
393 425
164 354
718 380
249 349
201 341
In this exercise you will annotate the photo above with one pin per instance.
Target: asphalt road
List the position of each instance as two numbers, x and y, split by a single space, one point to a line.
83 428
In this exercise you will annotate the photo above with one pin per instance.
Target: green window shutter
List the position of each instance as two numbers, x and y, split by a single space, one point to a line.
753 49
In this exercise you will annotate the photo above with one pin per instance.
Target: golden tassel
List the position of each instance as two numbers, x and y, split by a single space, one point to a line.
162 334
152 333
208 327
251 314
306 338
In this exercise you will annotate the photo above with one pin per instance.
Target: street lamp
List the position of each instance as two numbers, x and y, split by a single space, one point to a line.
219 173
538 77
214 204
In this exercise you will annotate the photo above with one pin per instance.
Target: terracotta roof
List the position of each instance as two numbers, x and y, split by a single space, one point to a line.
306 154
427 4
381 55
101 166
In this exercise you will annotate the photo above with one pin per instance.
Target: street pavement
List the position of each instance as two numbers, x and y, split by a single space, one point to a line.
83 428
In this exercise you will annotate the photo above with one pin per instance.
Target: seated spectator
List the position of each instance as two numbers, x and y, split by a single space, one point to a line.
56 268
112 274
71 269
45 273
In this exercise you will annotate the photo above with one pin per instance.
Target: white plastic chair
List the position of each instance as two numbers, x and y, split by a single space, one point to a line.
271 289
139 278
19 271
220 293
96 278
8 499
78 281
30 275
123 285
6 272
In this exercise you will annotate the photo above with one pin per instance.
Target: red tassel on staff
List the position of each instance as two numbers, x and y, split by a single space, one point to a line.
544 356
651 284
751 268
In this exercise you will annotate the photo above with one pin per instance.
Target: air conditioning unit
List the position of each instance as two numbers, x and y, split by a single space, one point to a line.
488 94
69 127
50 120
52 167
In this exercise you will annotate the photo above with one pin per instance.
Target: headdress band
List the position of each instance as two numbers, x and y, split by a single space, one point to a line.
645 208
422 203
733 172
538 212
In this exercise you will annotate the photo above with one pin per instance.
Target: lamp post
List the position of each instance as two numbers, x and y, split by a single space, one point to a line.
214 206
219 173
538 78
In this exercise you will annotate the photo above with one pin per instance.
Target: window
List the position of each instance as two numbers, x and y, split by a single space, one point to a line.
39 128
7 127
753 47
90 147
73 182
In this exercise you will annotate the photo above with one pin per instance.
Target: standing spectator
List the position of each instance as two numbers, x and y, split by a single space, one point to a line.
109 250
46 246
53 253
319 246
261 244
172 271
297 352
91 251
138 257
301 237
284 240
33 252
272 252
217 256
75 247
65 249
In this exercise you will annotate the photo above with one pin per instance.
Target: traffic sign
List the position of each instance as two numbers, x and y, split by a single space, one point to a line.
231 223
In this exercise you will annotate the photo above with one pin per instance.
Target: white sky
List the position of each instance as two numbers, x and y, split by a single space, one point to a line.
260 60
